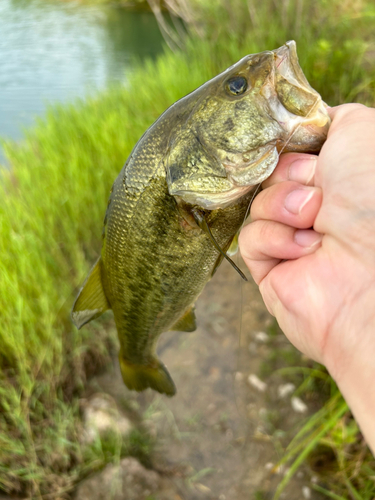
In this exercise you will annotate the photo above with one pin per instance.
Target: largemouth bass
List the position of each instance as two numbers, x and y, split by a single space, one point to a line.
189 181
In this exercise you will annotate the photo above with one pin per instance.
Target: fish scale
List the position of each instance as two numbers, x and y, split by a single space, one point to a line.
184 192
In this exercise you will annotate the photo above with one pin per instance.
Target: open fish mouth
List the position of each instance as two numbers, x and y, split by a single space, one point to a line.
307 120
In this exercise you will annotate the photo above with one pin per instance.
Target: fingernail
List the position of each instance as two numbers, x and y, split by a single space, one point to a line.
307 238
302 170
297 199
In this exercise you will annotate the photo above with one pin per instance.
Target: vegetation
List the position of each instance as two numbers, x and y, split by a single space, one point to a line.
329 440
53 200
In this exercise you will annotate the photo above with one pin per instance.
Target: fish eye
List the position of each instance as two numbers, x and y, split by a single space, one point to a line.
236 85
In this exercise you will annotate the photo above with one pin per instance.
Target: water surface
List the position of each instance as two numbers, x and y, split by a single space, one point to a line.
57 51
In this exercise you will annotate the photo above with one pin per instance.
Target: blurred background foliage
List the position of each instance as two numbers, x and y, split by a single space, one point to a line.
53 196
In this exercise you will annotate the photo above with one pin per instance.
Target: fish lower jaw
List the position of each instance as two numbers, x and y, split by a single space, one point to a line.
317 117
213 201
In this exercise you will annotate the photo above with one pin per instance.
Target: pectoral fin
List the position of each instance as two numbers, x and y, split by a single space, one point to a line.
233 249
202 223
187 323
91 301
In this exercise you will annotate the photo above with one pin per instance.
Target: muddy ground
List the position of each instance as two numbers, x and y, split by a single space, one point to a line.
221 436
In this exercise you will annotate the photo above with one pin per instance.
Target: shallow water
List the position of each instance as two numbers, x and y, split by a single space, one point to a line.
57 51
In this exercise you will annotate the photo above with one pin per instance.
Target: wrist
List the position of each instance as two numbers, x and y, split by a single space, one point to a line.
358 391
354 373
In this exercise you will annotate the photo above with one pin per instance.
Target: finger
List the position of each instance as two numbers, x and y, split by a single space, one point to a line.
289 203
340 113
298 167
263 244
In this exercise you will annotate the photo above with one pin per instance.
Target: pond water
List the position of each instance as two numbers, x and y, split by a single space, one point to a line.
56 51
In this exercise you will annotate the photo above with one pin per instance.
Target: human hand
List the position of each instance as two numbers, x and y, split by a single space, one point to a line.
320 282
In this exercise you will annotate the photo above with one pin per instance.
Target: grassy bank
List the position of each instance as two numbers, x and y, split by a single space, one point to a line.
53 202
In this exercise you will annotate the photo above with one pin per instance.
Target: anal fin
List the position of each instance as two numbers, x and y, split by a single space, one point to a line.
187 322
91 301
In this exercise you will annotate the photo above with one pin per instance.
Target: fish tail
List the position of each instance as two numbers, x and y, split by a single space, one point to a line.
154 374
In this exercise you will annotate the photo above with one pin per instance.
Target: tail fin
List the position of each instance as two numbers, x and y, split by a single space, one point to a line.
91 301
153 375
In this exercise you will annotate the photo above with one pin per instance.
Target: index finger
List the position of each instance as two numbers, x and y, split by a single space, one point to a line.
298 167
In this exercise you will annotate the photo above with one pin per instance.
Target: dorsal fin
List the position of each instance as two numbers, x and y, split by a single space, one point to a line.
91 301
187 322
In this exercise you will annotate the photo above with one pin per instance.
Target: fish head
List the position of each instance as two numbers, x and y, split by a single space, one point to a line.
238 124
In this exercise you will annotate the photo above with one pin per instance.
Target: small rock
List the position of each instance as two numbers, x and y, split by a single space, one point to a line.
261 337
257 383
128 480
238 377
298 405
269 466
314 480
100 415
306 492
285 389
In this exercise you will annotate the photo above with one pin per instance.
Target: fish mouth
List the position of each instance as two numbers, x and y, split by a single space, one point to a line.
299 109
286 62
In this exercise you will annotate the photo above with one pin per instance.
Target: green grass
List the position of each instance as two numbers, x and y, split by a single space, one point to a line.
329 440
53 201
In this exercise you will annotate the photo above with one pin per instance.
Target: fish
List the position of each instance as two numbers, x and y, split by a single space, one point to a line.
178 203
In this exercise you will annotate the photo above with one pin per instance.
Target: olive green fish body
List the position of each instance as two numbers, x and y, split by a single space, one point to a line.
203 155
155 264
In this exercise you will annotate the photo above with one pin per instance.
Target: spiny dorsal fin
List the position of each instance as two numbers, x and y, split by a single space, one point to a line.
91 301
187 322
